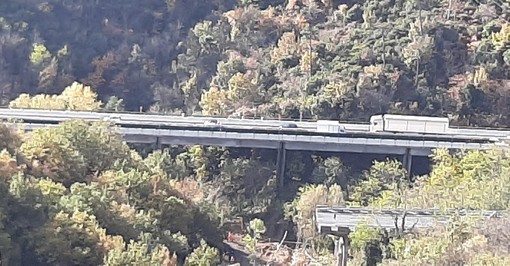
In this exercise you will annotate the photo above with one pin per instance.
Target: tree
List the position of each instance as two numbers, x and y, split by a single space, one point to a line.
115 104
383 177
77 236
8 166
9 139
73 151
203 256
302 209
331 171
74 97
213 102
139 253
256 228
365 240
39 54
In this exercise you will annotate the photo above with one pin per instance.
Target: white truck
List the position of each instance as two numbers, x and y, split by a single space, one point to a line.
330 126
409 124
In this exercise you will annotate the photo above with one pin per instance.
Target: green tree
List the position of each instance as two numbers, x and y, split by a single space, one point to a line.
256 229
139 253
115 104
203 256
73 151
302 209
77 236
382 177
39 54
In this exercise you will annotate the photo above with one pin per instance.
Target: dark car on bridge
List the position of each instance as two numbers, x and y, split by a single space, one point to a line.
288 125
213 123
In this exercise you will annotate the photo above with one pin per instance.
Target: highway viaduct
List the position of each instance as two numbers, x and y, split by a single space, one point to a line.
247 133
406 148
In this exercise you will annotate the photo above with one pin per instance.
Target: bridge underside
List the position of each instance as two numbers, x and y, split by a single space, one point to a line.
283 146
270 144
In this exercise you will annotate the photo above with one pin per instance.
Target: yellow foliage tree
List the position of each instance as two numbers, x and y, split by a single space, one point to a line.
39 54
287 48
242 91
240 87
480 76
302 209
502 38
74 97
73 150
139 253
80 97
213 102
337 92
308 61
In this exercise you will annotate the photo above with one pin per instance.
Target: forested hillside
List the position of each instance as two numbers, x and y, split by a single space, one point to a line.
77 194
331 58
80 188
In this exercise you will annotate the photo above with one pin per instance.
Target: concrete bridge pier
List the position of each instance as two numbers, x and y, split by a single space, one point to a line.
342 249
157 144
280 164
342 242
407 162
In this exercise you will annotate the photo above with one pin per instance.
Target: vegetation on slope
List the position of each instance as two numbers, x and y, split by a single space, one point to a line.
80 188
308 58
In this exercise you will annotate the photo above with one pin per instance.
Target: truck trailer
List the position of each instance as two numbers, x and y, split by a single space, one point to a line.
409 124
330 126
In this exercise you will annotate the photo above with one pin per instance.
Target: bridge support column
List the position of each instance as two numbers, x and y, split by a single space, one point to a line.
407 162
157 144
280 164
342 250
